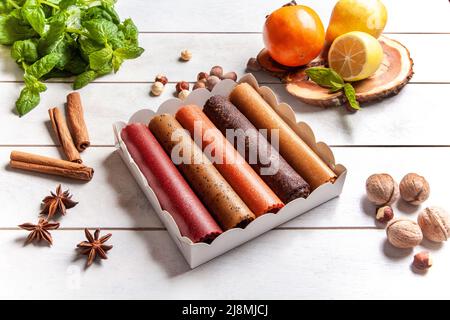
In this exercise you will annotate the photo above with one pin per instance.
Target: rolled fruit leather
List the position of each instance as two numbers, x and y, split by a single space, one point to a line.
232 166
173 192
218 196
258 152
291 147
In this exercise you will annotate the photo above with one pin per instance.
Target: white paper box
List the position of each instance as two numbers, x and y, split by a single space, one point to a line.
198 253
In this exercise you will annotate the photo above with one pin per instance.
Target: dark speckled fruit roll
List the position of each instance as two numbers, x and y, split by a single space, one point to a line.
264 159
222 201
173 192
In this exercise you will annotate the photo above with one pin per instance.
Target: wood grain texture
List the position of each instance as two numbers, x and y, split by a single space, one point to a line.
113 199
326 264
248 15
414 117
162 52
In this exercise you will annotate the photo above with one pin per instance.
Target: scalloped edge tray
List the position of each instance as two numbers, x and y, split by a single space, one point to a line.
199 253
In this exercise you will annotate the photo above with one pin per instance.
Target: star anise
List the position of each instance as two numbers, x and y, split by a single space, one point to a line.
40 231
57 203
94 246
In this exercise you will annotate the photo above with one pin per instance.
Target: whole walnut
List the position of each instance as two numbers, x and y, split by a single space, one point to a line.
381 189
404 233
414 189
435 224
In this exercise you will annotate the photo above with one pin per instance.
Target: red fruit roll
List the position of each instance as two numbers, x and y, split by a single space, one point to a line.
173 192
232 166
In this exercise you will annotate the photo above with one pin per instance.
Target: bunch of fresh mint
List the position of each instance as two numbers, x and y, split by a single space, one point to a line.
64 38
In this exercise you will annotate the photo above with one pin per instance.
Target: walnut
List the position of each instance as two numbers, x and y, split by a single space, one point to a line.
404 233
435 224
381 189
414 189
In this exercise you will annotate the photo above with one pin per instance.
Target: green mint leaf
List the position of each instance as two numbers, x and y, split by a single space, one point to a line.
35 16
12 29
25 51
350 93
52 39
34 84
324 76
27 101
43 65
130 31
335 87
129 52
76 65
101 30
98 59
116 62
83 79
106 69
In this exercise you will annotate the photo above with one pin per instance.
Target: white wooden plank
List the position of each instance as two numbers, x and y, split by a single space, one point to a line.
113 199
232 51
417 116
249 15
325 264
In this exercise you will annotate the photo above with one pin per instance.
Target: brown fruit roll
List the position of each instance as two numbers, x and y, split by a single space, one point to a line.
62 132
296 152
75 120
285 182
222 201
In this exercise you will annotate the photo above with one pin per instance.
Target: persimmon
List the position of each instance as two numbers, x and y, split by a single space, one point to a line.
294 35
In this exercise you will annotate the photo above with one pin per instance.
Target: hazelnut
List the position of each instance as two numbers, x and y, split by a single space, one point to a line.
186 55
157 88
422 261
414 189
435 224
202 75
216 71
211 82
182 85
385 214
183 94
381 189
253 65
230 75
200 84
404 233
161 78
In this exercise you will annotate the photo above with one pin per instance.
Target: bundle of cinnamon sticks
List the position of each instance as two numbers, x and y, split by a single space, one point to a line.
73 137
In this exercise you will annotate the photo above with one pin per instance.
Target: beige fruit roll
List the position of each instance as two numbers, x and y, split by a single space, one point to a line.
293 149
213 190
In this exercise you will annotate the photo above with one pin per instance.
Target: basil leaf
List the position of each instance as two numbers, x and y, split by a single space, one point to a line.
43 65
350 93
25 51
324 76
98 59
83 79
12 30
27 101
35 16
101 30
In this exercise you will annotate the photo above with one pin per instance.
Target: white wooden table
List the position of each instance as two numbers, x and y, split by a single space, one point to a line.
334 251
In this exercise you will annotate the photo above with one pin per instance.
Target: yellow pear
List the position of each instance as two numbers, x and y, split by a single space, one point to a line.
368 16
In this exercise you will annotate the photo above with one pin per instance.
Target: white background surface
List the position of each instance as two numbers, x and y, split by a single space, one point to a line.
334 251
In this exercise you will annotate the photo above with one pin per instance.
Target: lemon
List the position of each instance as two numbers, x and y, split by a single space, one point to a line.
357 15
355 55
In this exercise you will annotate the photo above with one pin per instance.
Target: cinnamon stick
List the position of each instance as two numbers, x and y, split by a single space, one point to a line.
62 132
75 119
37 163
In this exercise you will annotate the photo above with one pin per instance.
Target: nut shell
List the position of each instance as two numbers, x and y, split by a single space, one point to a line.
381 189
202 75
161 78
435 224
404 233
182 85
186 55
199 84
385 214
216 71
230 75
414 189
183 94
422 261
